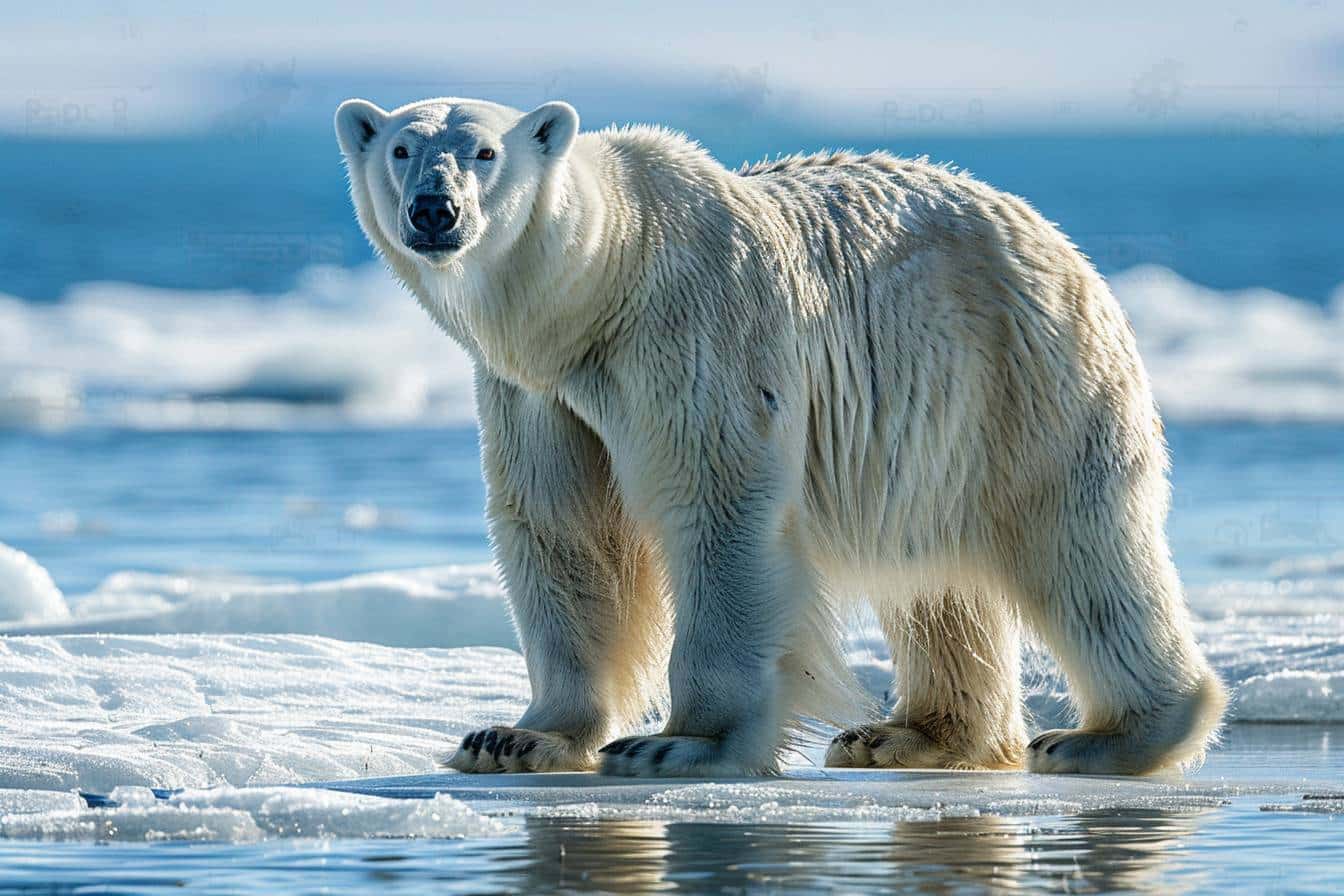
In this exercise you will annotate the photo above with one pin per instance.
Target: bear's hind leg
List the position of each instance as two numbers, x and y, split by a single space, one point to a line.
1101 590
959 696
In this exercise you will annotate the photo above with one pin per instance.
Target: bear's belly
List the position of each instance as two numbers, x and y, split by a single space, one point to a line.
883 532
892 494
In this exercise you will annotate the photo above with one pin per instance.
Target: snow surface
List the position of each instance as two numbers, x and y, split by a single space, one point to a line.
97 712
112 696
1278 643
350 345
445 606
242 815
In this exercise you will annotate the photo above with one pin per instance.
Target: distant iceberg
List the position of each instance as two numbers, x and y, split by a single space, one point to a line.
349 346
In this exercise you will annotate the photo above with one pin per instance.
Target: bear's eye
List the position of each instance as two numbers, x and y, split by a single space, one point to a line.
486 155
400 153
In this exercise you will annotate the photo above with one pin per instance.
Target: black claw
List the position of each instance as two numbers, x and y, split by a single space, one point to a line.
527 748
473 740
636 748
1050 749
877 742
490 740
496 747
1036 744
848 737
616 747
662 753
506 746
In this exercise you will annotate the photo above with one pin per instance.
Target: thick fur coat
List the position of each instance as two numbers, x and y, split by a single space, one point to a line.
717 405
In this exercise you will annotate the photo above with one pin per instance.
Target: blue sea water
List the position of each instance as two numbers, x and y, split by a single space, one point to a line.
292 504
254 216
292 500
1228 211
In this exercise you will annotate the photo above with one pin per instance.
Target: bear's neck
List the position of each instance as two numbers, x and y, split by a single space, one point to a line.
545 309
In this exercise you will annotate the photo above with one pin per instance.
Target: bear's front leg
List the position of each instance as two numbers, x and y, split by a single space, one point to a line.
586 599
739 583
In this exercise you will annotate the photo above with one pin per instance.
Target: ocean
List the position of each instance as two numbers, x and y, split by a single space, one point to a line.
246 463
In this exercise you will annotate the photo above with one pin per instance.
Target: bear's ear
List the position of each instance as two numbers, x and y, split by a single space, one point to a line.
357 123
551 127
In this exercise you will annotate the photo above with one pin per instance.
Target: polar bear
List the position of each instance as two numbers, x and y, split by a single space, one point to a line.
715 406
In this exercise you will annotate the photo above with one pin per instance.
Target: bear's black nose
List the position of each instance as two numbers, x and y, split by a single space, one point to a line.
432 214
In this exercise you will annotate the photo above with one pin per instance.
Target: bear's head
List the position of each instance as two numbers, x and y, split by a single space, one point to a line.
437 181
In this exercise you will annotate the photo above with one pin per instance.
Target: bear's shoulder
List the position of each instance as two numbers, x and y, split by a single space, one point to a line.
653 144
844 162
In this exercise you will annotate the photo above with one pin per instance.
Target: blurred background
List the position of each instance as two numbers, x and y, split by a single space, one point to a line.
203 369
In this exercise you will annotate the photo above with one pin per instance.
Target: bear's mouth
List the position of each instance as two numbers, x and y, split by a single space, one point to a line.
434 248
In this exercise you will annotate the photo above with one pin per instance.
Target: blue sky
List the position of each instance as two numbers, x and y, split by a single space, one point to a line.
158 66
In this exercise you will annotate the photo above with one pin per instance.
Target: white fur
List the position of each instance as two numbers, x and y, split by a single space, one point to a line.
715 404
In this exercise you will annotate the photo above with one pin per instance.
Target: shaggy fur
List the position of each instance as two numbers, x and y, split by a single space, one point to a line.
715 405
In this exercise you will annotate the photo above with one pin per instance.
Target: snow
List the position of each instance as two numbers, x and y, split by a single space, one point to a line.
243 715
350 346
241 815
184 691
1324 805
1251 355
26 802
98 712
446 606
1278 669
343 345
27 593
235 690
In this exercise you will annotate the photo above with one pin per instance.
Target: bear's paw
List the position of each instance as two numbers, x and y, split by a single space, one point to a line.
675 756
504 749
1066 751
890 745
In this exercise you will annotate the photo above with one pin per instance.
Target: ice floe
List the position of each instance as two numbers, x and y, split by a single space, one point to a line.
116 695
446 606
27 593
348 345
1284 661
246 814
97 712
